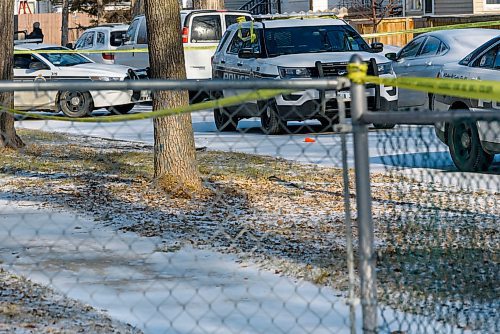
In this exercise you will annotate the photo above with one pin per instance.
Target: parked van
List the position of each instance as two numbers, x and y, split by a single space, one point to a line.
201 32
104 37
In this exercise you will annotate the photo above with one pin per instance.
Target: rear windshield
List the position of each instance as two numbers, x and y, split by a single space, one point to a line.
116 37
337 38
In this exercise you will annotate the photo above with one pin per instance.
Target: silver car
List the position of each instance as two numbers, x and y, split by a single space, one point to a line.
104 37
472 145
425 55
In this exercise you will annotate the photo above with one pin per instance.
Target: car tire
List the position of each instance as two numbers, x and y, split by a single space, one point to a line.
465 148
327 123
122 109
224 121
271 122
76 104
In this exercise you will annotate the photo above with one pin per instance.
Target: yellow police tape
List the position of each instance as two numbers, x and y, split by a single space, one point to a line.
139 50
262 94
429 29
471 89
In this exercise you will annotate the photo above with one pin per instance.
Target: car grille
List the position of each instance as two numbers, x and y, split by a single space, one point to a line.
339 69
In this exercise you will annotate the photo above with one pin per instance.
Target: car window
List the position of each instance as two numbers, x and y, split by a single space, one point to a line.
237 41
206 29
313 39
488 59
79 42
116 37
142 36
431 47
100 40
85 41
412 48
232 19
223 40
63 59
22 61
497 60
132 30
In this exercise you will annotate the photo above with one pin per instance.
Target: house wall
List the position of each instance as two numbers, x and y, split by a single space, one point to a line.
479 8
450 7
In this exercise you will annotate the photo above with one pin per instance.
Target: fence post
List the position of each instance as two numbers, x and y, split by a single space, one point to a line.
364 206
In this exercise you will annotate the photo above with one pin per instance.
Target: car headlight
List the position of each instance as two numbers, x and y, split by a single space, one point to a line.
384 68
99 78
294 72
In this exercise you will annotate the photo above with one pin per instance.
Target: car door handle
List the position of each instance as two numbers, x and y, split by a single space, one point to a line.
239 64
222 61
429 63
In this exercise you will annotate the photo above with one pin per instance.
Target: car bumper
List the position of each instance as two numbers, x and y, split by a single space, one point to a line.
312 103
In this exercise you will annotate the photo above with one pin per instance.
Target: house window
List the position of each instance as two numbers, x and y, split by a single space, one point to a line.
492 4
412 5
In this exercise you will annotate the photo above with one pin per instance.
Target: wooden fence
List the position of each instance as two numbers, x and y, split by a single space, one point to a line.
406 23
51 25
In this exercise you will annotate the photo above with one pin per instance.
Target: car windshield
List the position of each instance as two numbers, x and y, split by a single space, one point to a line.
63 59
335 38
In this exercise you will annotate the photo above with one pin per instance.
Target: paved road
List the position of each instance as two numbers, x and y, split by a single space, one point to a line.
414 150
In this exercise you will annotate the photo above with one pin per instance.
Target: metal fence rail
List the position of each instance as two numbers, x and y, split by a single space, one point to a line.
270 243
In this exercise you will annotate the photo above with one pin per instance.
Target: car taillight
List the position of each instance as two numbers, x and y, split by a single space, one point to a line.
185 34
108 56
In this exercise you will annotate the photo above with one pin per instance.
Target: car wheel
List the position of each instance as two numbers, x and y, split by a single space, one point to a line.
270 120
123 109
383 126
327 123
76 104
465 148
224 121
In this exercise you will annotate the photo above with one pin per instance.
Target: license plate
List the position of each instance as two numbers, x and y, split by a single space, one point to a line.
346 95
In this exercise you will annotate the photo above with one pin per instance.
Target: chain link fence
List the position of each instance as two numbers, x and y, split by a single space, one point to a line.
307 222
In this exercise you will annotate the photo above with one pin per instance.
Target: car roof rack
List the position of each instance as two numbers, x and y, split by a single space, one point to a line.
294 15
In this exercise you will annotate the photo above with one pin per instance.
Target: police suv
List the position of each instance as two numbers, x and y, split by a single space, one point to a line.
472 145
296 48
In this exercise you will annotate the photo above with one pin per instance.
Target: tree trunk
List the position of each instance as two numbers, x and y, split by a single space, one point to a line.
137 7
64 23
8 135
374 16
208 4
175 167
100 12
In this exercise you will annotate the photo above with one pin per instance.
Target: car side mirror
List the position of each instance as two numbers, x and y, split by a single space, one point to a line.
377 47
37 66
126 39
247 53
392 56
69 45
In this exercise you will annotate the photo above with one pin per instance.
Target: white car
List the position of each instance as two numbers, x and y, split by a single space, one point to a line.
104 37
53 66
472 145
201 33
296 49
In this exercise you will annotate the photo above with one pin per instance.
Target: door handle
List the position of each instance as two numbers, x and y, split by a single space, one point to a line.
239 64
222 61
429 63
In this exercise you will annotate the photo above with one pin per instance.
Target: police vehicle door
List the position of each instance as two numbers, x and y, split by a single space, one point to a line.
403 67
487 67
29 68
235 68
